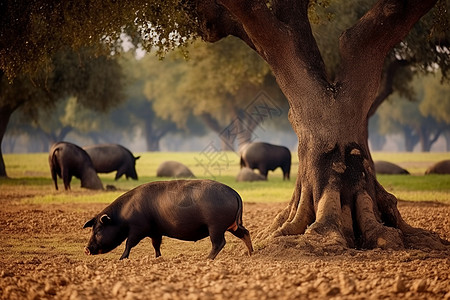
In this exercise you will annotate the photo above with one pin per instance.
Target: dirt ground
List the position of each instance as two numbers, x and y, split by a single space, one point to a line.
42 258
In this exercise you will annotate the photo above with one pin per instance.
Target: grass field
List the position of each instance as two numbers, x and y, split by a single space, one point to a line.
29 175
42 238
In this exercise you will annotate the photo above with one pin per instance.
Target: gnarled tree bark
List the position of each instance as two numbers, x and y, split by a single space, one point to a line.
337 193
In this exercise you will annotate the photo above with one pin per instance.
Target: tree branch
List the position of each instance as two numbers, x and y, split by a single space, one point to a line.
386 86
211 122
64 132
437 134
265 31
382 27
165 130
363 47
283 38
215 23
294 13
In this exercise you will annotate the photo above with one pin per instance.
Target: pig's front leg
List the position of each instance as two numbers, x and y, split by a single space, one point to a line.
132 241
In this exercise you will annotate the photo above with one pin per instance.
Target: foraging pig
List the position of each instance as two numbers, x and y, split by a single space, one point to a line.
173 169
67 160
183 209
247 174
266 157
385 167
112 157
441 167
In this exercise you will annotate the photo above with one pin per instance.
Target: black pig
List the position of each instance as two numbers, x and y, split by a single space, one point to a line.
112 157
266 157
67 160
183 209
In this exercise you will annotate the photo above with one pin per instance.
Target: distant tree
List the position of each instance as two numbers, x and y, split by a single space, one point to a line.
216 85
138 109
421 119
52 125
95 81
377 140
436 103
136 113
69 116
66 116
20 130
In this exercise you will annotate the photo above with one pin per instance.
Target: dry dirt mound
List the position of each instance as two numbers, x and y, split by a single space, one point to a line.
41 258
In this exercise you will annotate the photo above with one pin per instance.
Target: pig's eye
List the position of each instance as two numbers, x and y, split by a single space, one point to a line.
97 232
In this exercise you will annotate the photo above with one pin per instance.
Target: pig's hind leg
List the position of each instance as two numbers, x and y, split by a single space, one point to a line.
218 242
242 233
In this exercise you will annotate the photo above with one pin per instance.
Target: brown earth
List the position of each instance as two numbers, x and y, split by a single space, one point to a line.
42 258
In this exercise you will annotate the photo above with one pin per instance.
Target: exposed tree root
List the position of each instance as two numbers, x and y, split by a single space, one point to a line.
375 234
416 238
300 215
357 214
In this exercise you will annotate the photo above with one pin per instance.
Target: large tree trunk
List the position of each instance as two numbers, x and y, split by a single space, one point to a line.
337 194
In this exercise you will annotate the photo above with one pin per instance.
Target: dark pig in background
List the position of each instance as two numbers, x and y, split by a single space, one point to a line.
112 157
441 167
188 210
385 167
266 157
173 169
67 160
247 174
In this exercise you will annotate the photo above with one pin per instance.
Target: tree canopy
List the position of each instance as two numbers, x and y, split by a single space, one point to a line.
96 82
32 31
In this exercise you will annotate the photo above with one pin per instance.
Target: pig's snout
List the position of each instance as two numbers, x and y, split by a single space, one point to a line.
87 251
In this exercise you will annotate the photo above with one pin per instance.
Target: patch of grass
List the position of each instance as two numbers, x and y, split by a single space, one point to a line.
59 198
30 180
27 165
423 196
26 181
418 188
413 183
44 245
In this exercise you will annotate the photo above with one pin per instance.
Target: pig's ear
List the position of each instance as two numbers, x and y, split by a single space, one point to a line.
136 158
105 219
89 223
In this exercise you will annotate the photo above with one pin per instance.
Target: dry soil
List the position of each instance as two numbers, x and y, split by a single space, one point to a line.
42 258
